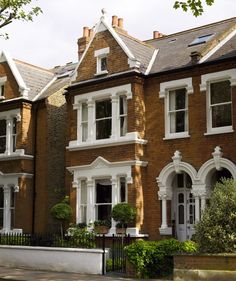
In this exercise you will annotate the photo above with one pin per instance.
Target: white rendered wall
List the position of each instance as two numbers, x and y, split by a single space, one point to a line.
54 259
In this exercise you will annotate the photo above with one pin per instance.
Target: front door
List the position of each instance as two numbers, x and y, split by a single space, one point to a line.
184 207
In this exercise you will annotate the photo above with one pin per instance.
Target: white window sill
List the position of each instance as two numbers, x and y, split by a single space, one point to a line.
2 98
128 139
101 73
18 154
220 131
177 136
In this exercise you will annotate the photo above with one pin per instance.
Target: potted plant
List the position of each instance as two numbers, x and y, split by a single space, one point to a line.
123 214
102 226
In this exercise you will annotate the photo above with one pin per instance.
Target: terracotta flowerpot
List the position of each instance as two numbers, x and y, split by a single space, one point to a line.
101 229
120 230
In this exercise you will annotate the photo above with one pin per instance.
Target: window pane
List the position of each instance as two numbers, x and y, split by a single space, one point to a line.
221 115
1 197
84 112
103 193
181 214
103 212
84 131
2 144
180 121
103 109
2 128
83 199
103 63
181 198
123 126
180 180
122 190
123 105
103 129
2 90
1 218
180 98
220 92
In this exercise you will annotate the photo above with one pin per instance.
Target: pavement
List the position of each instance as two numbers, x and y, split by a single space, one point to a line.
19 274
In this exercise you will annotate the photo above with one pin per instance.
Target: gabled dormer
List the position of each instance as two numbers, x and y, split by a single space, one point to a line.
108 50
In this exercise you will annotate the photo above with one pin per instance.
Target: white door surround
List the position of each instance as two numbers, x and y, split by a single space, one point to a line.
201 183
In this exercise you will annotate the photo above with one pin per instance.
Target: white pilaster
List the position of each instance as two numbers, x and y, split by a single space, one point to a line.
8 136
114 130
115 200
90 201
91 120
197 208
7 211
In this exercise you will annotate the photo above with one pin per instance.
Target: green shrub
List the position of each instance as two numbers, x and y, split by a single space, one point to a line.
81 237
155 258
216 232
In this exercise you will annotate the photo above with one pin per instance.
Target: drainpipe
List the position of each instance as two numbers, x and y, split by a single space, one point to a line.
35 111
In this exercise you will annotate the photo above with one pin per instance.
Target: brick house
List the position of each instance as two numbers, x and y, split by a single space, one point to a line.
145 122
31 103
151 123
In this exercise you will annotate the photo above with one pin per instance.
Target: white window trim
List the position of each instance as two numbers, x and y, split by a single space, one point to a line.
165 88
206 80
3 81
99 54
115 139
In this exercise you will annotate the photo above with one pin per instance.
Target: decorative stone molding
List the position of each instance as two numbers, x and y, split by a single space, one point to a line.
176 161
217 155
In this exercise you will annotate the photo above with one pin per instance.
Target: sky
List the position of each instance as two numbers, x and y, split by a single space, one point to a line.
51 39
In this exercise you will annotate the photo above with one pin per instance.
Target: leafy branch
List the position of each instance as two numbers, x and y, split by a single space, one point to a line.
195 6
16 10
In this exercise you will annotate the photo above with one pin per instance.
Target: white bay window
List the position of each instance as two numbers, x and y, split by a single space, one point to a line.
102 118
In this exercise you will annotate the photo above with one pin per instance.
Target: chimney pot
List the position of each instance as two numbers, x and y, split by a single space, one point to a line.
114 21
91 31
120 23
85 31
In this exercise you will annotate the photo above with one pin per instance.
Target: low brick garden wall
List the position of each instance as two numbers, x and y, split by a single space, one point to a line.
209 267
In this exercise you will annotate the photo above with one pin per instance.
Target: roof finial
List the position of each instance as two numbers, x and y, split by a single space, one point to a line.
103 13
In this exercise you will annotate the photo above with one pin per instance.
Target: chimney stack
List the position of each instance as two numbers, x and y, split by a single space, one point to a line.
195 57
84 41
157 34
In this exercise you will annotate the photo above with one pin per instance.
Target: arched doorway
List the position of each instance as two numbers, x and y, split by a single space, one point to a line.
217 176
183 207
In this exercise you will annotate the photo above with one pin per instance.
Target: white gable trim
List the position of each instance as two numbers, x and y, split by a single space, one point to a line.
45 88
218 46
151 61
5 57
102 26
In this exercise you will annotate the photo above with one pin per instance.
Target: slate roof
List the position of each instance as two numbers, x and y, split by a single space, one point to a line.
174 51
35 78
142 51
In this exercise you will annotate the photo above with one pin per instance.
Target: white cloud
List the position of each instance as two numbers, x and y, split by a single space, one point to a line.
52 38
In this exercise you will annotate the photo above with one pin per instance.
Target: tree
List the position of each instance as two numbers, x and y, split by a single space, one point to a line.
11 10
195 6
62 212
216 232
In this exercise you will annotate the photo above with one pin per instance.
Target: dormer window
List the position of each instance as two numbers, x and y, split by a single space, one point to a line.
2 87
101 56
